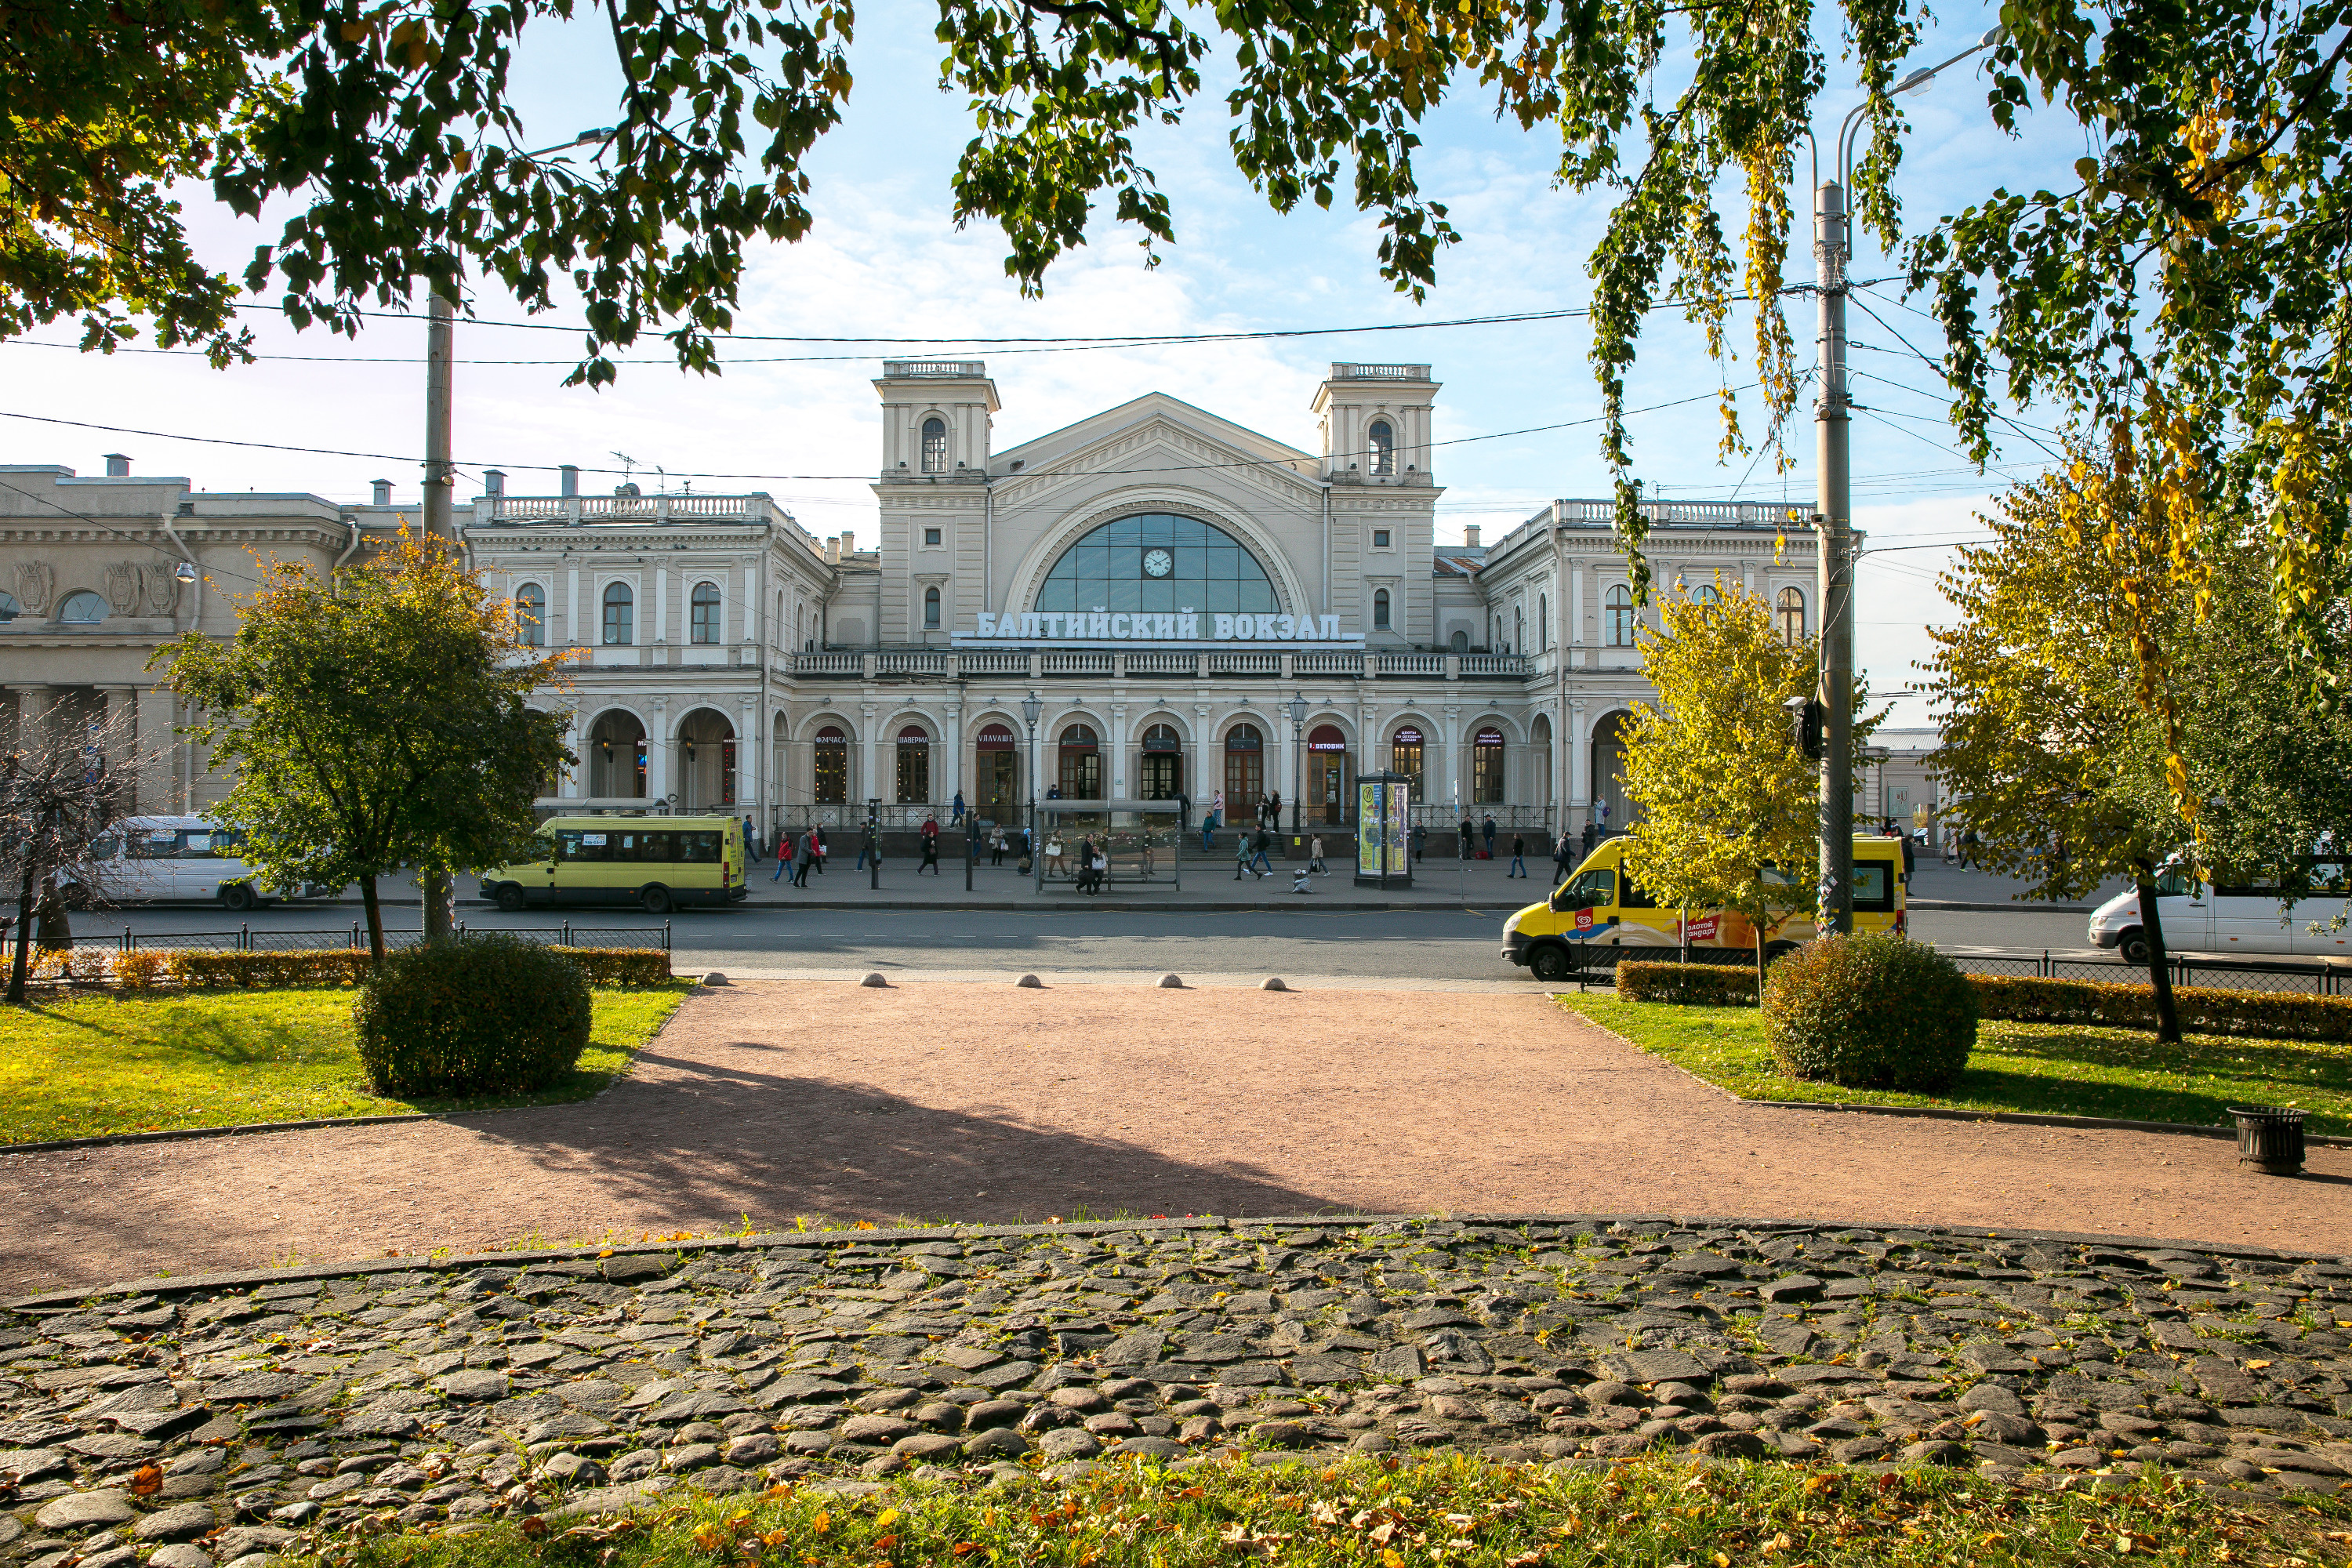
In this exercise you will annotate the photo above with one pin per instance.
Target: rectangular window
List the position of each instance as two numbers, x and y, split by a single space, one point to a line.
931 536
576 846
1874 889
914 775
832 775
1379 539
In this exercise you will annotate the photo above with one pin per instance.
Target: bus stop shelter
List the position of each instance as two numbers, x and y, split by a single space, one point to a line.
1138 841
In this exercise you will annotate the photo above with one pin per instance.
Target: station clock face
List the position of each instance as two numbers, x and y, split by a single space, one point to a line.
1159 562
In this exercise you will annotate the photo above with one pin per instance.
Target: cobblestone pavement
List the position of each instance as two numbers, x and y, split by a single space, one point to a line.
211 1425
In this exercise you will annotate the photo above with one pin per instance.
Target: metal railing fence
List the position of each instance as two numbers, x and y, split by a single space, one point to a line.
244 939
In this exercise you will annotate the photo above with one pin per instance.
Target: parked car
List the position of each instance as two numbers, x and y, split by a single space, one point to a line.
2254 916
151 859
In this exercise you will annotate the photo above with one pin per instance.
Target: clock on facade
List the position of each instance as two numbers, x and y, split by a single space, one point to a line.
1158 563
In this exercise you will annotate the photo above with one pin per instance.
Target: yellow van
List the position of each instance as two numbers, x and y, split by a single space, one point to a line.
657 862
1600 906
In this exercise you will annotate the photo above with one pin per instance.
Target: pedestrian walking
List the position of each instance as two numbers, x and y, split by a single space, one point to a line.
1563 858
996 844
1420 840
1518 858
824 848
750 839
1056 863
1216 812
1265 842
812 855
1486 831
1591 835
1273 810
931 845
1240 854
1315 856
956 811
1208 831
787 852
1184 812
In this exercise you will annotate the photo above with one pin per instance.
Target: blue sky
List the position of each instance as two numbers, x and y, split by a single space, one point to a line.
884 259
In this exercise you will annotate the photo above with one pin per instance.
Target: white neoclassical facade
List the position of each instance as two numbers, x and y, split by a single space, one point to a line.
1186 606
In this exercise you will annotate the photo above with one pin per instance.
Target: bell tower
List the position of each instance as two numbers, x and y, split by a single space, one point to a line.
1376 423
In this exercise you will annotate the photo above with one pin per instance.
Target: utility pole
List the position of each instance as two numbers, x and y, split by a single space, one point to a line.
436 885
1834 516
1835 583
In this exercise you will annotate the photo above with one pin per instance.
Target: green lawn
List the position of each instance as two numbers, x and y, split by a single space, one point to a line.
1661 1512
2066 1068
103 1064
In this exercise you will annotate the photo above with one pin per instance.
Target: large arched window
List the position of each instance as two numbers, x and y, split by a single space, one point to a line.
531 615
620 615
935 445
1382 440
930 609
1704 593
1619 611
1161 562
1379 609
703 618
1486 766
1792 610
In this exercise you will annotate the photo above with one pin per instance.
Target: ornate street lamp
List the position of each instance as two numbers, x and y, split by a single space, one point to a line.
1297 708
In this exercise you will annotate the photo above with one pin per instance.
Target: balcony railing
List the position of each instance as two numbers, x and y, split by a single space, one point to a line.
828 664
1074 664
1379 373
1495 664
994 663
910 664
1330 664
1410 664
1245 664
1163 663
905 369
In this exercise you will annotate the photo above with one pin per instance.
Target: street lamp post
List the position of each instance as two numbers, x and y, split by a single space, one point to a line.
1834 516
1296 711
1029 709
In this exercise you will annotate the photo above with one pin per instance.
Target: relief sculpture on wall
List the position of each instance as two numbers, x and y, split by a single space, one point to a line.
36 582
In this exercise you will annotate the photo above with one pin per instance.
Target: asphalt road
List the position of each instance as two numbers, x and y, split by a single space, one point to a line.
1434 946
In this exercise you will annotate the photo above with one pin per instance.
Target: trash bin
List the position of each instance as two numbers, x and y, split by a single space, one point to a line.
2269 1138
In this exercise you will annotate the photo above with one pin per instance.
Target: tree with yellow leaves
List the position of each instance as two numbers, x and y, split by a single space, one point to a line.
2058 690
1730 805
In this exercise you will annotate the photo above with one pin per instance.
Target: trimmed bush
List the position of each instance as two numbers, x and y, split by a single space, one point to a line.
141 969
620 966
486 1016
1692 984
200 970
2274 1014
1869 1011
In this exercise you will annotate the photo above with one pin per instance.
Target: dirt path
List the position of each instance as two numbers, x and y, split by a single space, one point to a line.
991 1103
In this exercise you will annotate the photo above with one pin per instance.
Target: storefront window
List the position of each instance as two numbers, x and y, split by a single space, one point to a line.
1327 775
914 767
1161 562
1404 756
1000 766
831 766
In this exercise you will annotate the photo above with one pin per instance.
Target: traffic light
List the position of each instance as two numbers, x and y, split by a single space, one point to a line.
1808 721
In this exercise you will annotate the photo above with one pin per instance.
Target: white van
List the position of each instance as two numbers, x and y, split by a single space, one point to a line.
2253 917
157 857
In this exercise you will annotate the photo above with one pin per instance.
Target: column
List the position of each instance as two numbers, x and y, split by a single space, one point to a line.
1199 784
749 750
574 785
955 749
657 748
158 749
34 705
1294 774
1580 773
868 783
1115 786
122 758
1449 788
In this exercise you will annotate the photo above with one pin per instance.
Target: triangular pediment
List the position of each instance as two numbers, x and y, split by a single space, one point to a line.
1162 435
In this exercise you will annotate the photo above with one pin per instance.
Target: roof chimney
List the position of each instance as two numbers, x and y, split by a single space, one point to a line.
118 467
384 492
1470 536
848 545
494 483
832 550
571 472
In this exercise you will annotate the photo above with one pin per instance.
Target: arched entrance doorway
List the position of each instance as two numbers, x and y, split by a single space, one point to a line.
617 756
914 767
1487 756
831 766
1327 775
706 761
1160 775
1244 772
1081 774
1611 808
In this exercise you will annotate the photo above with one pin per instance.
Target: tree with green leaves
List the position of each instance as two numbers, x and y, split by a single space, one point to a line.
378 720
62 797
1730 804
